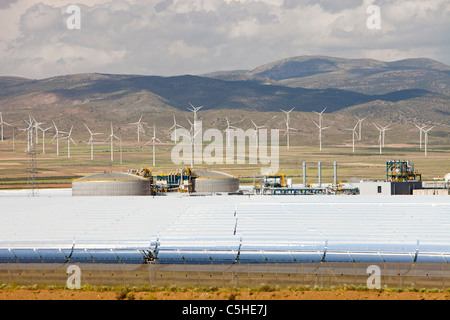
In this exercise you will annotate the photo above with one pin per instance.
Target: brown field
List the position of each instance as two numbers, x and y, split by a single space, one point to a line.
218 294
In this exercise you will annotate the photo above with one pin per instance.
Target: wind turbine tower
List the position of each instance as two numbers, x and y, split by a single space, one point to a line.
3 123
288 128
57 137
426 138
174 127
69 138
91 141
354 133
421 130
227 131
111 137
360 125
319 125
256 132
380 137
140 128
43 138
153 140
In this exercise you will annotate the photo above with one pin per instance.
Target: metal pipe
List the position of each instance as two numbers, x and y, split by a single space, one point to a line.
320 174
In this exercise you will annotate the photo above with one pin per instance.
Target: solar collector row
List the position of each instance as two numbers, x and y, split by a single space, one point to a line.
232 229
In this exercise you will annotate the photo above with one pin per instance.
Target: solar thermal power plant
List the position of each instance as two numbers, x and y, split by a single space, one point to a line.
222 229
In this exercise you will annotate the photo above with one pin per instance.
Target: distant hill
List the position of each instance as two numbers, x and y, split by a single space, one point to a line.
401 91
366 76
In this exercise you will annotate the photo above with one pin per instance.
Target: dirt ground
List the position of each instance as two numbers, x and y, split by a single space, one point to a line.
226 294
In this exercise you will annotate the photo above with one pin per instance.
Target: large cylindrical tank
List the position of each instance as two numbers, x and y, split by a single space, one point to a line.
215 182
111 184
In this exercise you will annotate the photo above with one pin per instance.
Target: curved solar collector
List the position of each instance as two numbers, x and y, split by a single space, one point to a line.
225 229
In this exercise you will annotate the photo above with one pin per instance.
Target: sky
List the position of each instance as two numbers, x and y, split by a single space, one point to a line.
40 39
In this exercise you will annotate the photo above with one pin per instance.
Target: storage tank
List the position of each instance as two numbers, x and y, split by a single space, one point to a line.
215 182
111 184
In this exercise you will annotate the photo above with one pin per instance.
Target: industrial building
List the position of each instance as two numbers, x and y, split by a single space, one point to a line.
388 187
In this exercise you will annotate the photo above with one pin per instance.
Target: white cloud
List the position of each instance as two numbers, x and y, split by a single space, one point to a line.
170 37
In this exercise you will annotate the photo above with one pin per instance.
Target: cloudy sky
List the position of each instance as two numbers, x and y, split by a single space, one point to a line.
173 37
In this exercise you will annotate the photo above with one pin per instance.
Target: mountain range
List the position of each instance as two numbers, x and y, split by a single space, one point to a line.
405 91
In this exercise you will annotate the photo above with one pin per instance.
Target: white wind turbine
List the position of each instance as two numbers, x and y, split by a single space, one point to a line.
111 137
174 127
426 138
194 110
384 131
421 129
191 137
57 136
288 128
354 133
380 139
139 127
360 124
43 138
37 127
91 140
153 139
320 127
256 131
29 131
227 131
69 138
3 123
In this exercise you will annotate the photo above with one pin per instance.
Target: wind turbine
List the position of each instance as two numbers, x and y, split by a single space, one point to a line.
91 141
57 137
353 134
29 131
43 138
194 110
174 127
227 130
69 138
111 137
320 126
154 139
421 129
384 131
2 123
139 127
380 139
191 139
287 125
360 124
426 138
37 126
256 131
